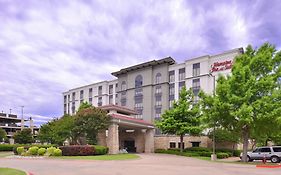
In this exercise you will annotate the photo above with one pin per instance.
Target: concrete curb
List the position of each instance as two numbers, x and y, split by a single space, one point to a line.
268 166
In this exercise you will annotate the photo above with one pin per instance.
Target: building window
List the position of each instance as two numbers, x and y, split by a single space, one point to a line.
196 69
123 86
172 144
171 94
157 113
90 100
138 81
110 99
65 99
158 78
100 90
182 74
181 85
64 108
81 94
81 101
195 144
158 101
158 90
100 101
111 89
196 88
179 145
73 107
172 76
123 98
68 98
90 92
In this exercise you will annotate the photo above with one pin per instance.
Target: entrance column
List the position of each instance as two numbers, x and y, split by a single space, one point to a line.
113 139
149 141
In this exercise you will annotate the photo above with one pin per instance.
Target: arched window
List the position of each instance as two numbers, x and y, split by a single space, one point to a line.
138 81
123 86
158 78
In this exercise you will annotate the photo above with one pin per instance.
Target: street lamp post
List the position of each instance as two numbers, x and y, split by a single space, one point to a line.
214 156
22 120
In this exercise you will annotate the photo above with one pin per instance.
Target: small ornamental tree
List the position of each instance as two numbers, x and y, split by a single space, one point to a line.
183 118
3 135
90 121
24 136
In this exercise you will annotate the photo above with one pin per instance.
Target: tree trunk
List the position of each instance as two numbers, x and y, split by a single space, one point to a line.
181 140
245 143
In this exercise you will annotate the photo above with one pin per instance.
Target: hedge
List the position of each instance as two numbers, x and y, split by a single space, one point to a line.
198 149
77 150
222 155
6 147
100 150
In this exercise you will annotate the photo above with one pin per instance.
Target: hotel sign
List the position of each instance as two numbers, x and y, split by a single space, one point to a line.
221 66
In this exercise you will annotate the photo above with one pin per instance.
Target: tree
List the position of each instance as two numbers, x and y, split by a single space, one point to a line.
58 130
183 118
3 135
223 135
89 121
24 136
249 99
84 105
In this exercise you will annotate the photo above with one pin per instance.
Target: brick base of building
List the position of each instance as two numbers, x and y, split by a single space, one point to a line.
163 142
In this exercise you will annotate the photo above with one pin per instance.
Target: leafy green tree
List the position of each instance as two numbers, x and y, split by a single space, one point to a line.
3 135
183 118
90 121
24 136
58 130
223 135
249 99
84 105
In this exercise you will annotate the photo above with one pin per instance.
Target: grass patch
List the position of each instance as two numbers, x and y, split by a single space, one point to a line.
10 171
102 157
6 153
203 158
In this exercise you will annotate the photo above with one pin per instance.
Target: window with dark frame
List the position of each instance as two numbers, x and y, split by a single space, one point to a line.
182 74
179 145
100 101
172 76
111 89
81 94
100 90
172 144
196 69
195 144
158 78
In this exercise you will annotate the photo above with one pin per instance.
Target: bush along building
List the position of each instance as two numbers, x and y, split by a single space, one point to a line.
144 92
10 123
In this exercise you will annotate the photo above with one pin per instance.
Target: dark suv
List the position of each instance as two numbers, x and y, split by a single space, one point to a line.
272 153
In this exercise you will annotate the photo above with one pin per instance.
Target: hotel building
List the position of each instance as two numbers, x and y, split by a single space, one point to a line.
150 88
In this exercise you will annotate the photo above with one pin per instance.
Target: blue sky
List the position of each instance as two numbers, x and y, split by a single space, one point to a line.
50 46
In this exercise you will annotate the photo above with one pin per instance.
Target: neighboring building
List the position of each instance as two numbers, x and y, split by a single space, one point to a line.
11 124
151 87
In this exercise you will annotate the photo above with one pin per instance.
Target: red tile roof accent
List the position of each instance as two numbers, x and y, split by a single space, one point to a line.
124 117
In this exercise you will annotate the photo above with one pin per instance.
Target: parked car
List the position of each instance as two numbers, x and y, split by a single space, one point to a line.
272 153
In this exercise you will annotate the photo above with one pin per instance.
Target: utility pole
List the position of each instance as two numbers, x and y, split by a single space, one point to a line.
214 156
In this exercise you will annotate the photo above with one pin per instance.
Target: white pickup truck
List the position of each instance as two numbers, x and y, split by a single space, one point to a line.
272 153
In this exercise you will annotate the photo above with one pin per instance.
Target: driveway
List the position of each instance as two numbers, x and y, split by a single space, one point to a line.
148 164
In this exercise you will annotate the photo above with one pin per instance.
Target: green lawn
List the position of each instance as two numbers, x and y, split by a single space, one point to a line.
102 157
10 171
6 153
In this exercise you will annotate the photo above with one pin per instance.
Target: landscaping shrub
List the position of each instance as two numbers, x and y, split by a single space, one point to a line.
198 149
236 153
6 147
33 150
41 151
78 150
160 151
20 150
28 146
222 155
204 154
100 150
57 152
50 151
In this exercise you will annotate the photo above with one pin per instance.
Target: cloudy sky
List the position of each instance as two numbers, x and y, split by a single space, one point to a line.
50 46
